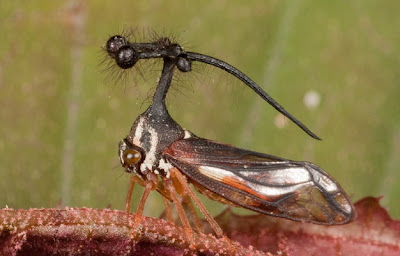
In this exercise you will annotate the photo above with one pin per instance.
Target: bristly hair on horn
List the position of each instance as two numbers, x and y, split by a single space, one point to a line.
143 72
127 54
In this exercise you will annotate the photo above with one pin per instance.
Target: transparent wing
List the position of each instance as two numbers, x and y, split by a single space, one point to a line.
263 183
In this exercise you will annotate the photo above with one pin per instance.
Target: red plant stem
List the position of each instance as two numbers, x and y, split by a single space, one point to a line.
102 232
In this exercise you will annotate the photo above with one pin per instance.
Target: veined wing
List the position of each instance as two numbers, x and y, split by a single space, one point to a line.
263 183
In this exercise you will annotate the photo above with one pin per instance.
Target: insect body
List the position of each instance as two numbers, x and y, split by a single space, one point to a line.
167 158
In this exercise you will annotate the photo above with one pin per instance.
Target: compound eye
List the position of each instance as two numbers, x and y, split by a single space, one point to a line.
131 157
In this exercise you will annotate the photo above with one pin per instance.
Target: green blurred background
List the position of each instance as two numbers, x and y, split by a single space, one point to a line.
61 119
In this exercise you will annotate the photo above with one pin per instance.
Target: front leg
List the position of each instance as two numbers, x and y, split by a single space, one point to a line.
134 179
150 184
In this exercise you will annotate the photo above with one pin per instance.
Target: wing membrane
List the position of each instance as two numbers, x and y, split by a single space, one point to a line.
267 184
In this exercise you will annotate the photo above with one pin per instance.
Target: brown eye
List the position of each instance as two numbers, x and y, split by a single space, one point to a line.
131 156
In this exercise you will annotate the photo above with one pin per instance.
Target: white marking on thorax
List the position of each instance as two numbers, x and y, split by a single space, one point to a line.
164 165
187 134
138 132
150 159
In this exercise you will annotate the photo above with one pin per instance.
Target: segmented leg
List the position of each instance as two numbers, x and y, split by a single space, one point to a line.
168 211
214 225
139 212
195 218
150 184
132 182
182 215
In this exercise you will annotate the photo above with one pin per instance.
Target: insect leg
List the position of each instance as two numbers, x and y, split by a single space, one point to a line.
214 225
182 215
189 205
134 179
167 207
151 184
